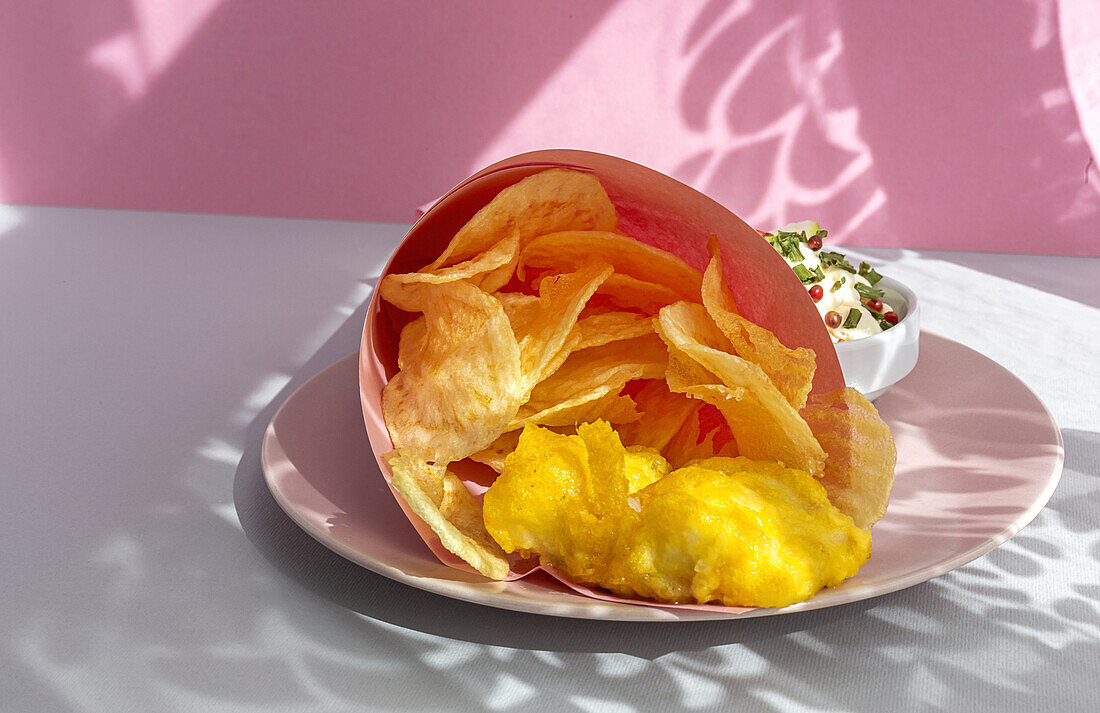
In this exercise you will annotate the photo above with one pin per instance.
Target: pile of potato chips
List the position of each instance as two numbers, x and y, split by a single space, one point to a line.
539 312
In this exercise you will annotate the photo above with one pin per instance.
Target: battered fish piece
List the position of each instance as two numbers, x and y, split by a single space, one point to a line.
562 498
643 466
739 532
731 530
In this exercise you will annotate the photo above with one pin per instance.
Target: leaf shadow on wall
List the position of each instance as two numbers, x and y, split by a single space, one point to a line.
916 125
970 119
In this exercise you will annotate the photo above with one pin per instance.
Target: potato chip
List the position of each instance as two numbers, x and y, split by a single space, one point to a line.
485 268
412 336
765 425
544 333
496 279
598 403
629 292
494 454
465 385
594 373
713 426
487 376
791 370
565 251
443 502
859 470
595 330
663 415
700 438
547 202
624 292
520 308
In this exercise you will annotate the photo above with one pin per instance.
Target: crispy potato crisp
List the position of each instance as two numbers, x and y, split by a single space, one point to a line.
546 328
547 202
663 414
560 252
626 292
466 381
791 370
699 438
764 424
859 471
442 501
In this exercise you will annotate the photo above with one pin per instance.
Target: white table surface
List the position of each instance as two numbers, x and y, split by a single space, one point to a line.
145 566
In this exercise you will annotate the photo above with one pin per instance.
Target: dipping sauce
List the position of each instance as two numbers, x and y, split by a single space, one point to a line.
845 296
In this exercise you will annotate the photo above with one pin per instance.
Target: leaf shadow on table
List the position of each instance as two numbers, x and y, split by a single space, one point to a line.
990 630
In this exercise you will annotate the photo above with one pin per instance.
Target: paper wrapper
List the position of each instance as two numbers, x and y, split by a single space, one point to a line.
654 209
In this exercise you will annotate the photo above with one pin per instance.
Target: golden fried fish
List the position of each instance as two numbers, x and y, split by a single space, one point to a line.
731 530
736 531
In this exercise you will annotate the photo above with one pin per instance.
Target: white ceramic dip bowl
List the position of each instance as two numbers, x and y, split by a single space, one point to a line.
874 364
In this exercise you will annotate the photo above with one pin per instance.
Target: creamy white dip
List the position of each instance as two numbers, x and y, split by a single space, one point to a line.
840 283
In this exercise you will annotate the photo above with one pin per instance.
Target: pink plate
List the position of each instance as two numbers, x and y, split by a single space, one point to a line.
978 458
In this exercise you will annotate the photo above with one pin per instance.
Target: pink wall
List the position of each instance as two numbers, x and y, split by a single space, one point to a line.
933 124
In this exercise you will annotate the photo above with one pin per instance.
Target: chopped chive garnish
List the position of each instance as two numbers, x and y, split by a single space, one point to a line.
867 292
780 244
803 274
876 315
852 319
787 244
869 273
837 285
819 275
833 259
822 233
792 235
885 325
